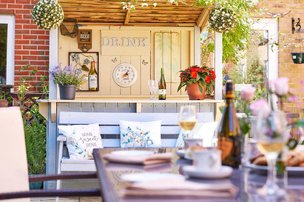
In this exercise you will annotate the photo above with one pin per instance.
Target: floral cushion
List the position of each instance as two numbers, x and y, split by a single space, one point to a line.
81 140
140 134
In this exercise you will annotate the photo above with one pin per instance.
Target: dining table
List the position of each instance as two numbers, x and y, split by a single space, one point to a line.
246 180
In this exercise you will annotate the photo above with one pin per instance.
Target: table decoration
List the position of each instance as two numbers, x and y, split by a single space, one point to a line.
197 81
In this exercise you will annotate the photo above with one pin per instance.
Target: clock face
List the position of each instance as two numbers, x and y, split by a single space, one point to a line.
125 75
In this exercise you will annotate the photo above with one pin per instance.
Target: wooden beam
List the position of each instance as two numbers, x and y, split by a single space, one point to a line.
128 15
202 18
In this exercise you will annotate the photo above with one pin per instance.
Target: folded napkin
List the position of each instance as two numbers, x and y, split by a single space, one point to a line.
179 188
143 160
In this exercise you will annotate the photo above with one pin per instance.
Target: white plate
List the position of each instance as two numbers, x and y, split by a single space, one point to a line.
180 153
194 172
148 176
264 168
133 153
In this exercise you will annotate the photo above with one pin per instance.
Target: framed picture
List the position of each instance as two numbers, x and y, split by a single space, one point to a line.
85 61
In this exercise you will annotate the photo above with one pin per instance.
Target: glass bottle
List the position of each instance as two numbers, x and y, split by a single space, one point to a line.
162 86
229 133
93 77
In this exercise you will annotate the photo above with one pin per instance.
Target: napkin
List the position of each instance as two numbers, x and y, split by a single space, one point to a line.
143 160
179 188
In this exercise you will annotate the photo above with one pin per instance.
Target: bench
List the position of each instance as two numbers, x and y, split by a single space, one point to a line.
110 132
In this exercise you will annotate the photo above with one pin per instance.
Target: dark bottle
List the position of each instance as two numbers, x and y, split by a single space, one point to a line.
93 77
229 133
162 86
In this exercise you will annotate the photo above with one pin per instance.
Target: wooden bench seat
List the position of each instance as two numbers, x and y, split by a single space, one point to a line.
109 130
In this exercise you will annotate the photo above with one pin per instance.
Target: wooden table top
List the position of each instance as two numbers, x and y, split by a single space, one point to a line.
246 180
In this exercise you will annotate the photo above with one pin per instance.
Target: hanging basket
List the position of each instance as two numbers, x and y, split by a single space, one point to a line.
47 14
222 19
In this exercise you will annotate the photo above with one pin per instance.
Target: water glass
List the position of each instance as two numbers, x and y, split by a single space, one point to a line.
153 87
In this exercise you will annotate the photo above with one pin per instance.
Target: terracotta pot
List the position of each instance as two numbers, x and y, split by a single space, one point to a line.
194 92
3 103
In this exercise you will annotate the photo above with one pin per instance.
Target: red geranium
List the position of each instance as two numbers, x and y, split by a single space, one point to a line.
193 74
204 76
212 74
208 79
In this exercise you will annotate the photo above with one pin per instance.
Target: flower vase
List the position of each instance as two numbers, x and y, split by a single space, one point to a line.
194 92
67 92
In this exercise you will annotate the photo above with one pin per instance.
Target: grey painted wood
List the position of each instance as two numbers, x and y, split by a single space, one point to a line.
159 108
87 107
147 107
170 108
111 107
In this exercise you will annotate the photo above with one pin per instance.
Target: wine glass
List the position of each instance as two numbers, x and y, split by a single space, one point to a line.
270 135
187 119
153 87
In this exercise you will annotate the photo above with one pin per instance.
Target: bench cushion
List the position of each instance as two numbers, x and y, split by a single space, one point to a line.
140 134
81 140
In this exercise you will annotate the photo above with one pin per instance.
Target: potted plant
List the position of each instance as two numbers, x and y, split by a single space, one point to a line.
68 79
47 14
198 81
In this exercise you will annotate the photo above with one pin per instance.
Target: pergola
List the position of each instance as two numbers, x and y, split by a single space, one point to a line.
105 12
110 13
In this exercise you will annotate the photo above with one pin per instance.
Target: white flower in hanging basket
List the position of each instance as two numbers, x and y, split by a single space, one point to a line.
47 14
222 19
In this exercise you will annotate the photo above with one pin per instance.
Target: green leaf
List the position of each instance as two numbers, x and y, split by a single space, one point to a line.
85 68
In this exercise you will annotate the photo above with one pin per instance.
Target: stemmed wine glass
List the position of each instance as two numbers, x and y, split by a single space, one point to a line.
187 119
153 87
270 134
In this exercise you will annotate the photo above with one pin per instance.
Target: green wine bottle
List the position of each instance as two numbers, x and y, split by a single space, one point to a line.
162 86
229 133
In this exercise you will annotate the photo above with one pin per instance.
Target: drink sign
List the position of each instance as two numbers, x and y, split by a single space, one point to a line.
125 43
84 39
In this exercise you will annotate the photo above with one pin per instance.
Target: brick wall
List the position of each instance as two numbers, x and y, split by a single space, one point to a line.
289 43
31 43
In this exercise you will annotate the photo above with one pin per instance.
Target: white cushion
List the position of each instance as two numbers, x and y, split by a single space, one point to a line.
140 134
81 140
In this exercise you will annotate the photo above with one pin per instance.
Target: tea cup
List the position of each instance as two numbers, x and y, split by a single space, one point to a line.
192 144
207 159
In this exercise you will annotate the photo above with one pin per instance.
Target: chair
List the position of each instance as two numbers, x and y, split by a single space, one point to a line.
14 179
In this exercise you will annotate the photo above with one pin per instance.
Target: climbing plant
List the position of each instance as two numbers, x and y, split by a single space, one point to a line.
236 40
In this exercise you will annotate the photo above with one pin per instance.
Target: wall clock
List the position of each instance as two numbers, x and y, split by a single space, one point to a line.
124 74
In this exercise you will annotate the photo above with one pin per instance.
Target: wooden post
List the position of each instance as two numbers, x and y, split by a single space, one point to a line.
218 64
53 61
197 46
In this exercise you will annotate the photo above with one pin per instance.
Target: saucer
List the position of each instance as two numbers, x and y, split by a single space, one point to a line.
181 153
192 171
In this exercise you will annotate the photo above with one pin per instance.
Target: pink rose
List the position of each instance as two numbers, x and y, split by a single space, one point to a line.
260 108
281 87
247 94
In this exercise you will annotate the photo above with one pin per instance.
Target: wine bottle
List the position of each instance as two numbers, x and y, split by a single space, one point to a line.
162 86
93 77
229 133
